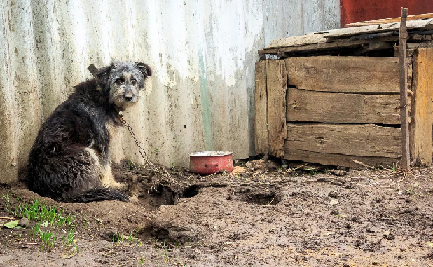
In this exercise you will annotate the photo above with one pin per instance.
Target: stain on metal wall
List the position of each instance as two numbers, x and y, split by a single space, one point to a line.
201 96
362 10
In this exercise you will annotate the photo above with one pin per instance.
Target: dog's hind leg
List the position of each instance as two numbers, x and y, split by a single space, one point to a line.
107 178
89 186
105 174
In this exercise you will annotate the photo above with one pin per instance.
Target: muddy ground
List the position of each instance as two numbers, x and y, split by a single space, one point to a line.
260 215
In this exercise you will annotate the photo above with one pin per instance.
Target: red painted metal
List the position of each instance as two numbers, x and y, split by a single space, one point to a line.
209 162
362 10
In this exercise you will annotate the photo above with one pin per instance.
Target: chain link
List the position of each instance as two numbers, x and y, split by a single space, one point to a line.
141 149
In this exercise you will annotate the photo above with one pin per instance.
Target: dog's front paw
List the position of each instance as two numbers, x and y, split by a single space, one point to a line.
118 186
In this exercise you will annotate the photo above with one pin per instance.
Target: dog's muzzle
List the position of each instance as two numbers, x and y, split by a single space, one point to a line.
129 95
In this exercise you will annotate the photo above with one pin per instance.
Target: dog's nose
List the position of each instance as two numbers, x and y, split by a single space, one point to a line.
128 95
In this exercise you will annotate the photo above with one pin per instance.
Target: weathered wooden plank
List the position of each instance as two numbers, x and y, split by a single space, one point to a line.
312 106
368 42
422 109
315 47
344 74
388 20
276 83
261 109
365 140
375 41
301 40
317 37
268 51
404 109
337 159
323 47
413 24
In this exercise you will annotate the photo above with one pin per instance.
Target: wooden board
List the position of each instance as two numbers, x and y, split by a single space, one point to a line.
261 109
422 24
404 108
422 110
301 40
314 47
337 159
365 140
312 106
392 26
388 20
276 83
344 74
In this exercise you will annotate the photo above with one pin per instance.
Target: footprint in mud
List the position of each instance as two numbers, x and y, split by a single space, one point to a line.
258 196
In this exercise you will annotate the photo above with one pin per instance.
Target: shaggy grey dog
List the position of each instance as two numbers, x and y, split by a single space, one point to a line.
69 160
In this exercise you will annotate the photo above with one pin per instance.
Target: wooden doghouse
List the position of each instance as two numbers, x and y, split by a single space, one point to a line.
333 97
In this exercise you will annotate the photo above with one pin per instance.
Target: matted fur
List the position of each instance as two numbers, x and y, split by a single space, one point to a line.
69 160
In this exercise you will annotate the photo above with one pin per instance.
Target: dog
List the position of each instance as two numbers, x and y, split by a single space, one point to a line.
69 160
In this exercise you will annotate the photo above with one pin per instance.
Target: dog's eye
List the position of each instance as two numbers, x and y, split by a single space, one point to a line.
133 81
120 80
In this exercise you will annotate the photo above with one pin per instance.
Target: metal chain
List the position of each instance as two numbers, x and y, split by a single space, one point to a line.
141 149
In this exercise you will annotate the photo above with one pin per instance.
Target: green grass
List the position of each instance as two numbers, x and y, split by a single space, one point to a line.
131 239
48 239
69 238
42 213
44 218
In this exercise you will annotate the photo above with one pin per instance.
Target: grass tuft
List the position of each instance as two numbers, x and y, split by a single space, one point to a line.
44 216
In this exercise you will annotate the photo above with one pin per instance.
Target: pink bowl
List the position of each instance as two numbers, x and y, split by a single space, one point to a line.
208 162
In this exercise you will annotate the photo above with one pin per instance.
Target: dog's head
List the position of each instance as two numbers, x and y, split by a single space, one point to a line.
122 81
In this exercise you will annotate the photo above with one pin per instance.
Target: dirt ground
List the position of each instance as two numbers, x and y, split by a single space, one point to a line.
259 215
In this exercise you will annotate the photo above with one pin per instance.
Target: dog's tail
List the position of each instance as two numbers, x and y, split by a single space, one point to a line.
97 194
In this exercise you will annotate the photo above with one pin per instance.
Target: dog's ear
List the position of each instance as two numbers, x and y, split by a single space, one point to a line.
93 70
101 74
144 68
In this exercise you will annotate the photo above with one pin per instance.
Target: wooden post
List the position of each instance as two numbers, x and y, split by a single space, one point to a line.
422 107
405 156
261 110
276 84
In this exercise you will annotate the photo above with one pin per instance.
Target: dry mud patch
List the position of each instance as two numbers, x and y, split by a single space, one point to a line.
260 216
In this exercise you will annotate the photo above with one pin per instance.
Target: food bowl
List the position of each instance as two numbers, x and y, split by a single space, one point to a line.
208 162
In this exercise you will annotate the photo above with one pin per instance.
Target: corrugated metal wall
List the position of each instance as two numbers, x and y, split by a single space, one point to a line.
202 54
362 10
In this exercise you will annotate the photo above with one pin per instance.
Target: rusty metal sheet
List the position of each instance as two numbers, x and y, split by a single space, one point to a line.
362 10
